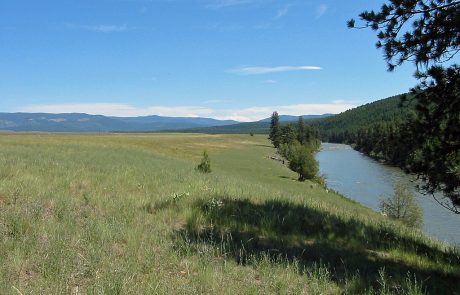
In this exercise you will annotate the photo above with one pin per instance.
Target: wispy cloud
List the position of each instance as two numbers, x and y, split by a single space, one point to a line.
239 114
282 12
107 28
321 10
102 28
268 70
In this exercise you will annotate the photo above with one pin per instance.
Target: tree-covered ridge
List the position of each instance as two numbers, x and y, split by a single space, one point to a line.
379 129
343 127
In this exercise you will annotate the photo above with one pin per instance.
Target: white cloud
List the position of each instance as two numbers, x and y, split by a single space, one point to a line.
258 113
241 114
268 70
321 10
121 110
107 28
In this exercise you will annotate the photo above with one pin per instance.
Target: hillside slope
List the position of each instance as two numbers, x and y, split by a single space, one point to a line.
128 214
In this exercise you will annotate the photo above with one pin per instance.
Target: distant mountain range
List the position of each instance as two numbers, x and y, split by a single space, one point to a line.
77 122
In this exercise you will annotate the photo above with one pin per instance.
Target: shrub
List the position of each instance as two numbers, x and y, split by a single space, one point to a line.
402 206
205 165
284 150
301 160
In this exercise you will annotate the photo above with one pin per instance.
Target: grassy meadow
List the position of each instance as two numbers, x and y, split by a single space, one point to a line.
128 214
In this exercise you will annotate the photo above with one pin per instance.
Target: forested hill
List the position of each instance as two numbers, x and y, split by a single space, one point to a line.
379 129
341 128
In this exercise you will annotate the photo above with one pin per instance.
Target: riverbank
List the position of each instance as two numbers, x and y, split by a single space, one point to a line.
129 214
366 180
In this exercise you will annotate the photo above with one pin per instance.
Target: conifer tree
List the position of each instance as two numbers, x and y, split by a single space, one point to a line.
205 164
275 130
301 130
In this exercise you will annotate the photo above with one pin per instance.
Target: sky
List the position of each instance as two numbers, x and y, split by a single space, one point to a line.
224 59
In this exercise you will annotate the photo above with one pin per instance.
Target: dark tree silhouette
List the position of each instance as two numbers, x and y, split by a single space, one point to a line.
437 134
301 130
427 33
432 37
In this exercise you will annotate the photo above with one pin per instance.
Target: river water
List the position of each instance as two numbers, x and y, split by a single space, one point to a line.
365 180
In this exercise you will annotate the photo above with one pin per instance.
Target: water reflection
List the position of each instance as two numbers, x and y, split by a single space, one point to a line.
366 181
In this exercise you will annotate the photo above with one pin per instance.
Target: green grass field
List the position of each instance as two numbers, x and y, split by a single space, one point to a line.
128 214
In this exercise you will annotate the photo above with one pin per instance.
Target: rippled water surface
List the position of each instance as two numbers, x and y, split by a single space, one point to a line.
365 180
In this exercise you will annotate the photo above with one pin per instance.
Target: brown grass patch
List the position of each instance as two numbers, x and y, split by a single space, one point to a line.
3 200
26 275
119 249
49 209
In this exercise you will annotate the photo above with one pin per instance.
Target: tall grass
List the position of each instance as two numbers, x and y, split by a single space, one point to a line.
128 214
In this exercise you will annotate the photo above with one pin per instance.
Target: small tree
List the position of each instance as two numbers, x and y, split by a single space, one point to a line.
302 160
402 206
275 130
205 164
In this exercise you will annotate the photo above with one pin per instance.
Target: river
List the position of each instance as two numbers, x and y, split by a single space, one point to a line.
365 180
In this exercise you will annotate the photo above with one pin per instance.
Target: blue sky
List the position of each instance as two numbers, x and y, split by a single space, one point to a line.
227 59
